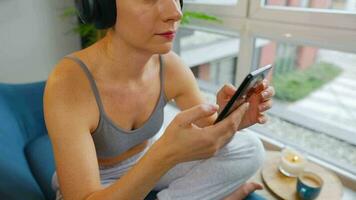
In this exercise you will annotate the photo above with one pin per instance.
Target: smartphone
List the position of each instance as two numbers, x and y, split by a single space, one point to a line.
246 87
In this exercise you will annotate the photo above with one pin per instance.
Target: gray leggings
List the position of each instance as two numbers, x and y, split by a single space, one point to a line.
210 179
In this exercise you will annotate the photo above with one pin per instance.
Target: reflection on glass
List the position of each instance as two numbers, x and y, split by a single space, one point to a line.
217 72
212 56
314 105
344 5
219 2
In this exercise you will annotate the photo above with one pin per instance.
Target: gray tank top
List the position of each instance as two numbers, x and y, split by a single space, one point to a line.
111 140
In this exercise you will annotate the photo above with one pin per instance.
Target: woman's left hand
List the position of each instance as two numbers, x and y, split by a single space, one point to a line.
260 99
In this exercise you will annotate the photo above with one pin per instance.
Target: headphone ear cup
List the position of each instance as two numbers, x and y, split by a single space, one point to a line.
86 10
106 14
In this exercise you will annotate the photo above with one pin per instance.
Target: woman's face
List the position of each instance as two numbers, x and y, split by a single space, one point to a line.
139 23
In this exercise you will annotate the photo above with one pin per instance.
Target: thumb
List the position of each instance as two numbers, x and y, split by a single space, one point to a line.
190 115
235 116
240 111
225 94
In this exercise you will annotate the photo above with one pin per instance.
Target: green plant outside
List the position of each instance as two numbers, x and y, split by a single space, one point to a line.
296 85
91 34
284 65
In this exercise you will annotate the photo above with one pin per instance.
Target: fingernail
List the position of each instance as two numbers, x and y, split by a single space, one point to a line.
264 94
213 107
261 107
262 120
231 86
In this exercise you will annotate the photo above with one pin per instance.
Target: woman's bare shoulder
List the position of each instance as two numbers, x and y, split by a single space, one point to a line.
175 68
177 73
67 78
68 93
173 62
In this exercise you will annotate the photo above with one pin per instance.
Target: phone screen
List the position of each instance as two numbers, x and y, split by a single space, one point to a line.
247 87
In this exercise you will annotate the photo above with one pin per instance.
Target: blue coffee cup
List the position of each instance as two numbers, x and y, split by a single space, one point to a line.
309 185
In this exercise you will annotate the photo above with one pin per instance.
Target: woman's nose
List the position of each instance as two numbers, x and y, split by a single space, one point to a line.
170 10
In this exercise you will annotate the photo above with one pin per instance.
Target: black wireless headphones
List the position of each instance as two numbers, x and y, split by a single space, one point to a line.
100 12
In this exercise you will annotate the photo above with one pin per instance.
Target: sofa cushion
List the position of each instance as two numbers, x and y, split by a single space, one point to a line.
16 179
39 155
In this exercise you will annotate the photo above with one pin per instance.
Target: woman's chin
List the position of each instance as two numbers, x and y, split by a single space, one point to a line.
164 48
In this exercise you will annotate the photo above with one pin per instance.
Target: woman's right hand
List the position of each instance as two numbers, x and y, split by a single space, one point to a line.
183 141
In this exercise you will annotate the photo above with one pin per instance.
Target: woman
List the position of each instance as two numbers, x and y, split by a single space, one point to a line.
104 104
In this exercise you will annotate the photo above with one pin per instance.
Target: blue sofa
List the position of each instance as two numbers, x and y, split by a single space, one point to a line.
26 158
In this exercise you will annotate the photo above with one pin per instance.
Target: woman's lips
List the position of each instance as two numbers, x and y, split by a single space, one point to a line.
168 35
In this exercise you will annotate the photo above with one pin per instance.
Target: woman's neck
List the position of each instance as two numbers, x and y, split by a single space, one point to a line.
115 60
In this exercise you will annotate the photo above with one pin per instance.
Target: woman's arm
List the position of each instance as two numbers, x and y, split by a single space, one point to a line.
188 94
139 180
68 118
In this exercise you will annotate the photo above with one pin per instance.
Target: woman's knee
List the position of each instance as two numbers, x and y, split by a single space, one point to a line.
244 155
258 154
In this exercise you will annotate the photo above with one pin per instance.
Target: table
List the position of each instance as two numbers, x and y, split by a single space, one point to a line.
278 186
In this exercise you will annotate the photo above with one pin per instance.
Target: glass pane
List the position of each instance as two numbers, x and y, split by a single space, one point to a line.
212 56
314 106
219 2
343 5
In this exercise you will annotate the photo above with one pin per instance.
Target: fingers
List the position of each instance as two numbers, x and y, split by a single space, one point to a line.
268 93
254 186
262 119
231 123
224 95
237 104
226 92
261 86
188 116
265 83
225 129
265 106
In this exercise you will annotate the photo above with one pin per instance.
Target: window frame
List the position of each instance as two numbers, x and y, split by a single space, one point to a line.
320 17
238 10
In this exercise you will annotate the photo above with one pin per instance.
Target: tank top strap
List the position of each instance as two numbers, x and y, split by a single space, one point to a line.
91 81
161 71
161 75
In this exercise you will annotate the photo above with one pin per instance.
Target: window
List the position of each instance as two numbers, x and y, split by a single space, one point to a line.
211 55
218 7
340 5
220 2
321 13
312 46
314 103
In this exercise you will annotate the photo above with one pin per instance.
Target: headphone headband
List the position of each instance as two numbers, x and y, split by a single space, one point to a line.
100 12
